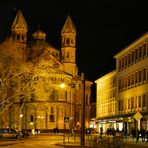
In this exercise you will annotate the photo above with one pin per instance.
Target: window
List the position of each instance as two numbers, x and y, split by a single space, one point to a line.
140 52
144 50
18 36
119 104
52 110
128 103
31 118
128 80
119 84
67 55
51 118
132 56
140 76
125 60
136 77
119 64
144 100
136 54
136 102
128 59
122 104
132 79
139 101
67 41
144 74
132 102
72 41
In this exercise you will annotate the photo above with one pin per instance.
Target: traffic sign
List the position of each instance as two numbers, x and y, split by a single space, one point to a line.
137 116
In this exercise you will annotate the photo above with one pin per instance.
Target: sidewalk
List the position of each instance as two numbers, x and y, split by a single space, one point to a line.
71 142
133 142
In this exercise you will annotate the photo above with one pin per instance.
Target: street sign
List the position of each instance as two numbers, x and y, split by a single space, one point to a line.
66 119
137 116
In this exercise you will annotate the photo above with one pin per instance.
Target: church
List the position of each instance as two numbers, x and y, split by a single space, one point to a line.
40 85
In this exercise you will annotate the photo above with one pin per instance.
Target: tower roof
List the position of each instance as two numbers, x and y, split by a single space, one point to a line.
19 22
69 26
39 34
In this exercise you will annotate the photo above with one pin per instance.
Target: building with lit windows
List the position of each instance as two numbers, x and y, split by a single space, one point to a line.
39 84
131 95
106 101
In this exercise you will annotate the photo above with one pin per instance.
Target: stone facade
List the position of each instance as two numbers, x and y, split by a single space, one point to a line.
45 85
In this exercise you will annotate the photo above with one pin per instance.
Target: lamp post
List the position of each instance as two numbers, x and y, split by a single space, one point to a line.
83 111
20 121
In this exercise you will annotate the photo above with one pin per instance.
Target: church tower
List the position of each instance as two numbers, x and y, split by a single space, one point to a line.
68 56
19 28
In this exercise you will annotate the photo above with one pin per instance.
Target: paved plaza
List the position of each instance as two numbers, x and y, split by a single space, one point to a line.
57 141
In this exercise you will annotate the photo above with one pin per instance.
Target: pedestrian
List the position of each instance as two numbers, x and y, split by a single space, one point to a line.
125 133
137 135
101 132
133 133
146 133
108 132
113 132
143 134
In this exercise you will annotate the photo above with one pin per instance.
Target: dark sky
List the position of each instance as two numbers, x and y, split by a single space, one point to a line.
104 27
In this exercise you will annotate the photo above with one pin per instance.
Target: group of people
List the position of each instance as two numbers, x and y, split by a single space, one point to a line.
111 131
136 134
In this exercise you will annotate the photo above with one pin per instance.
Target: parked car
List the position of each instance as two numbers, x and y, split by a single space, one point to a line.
25 134
9 133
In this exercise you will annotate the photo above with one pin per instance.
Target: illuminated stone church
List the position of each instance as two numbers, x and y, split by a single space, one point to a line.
39 84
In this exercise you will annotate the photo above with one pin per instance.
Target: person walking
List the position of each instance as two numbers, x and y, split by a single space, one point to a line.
101 132
133 133
143 134
146 133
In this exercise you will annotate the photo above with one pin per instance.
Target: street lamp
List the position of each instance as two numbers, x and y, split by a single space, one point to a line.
83 111
20 121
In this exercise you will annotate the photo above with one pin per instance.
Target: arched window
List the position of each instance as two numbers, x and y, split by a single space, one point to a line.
18 36
67 41
51 118
31 118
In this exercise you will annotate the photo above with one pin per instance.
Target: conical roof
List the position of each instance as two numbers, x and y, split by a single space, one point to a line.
19 22
69 26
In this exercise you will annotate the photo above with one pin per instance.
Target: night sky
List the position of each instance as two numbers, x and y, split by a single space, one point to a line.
104 27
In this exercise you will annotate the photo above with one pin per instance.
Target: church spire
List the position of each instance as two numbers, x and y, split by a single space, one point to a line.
19 27
68 27
68 33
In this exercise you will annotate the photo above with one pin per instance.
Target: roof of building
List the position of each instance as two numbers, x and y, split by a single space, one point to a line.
69 26
131 45
19 22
